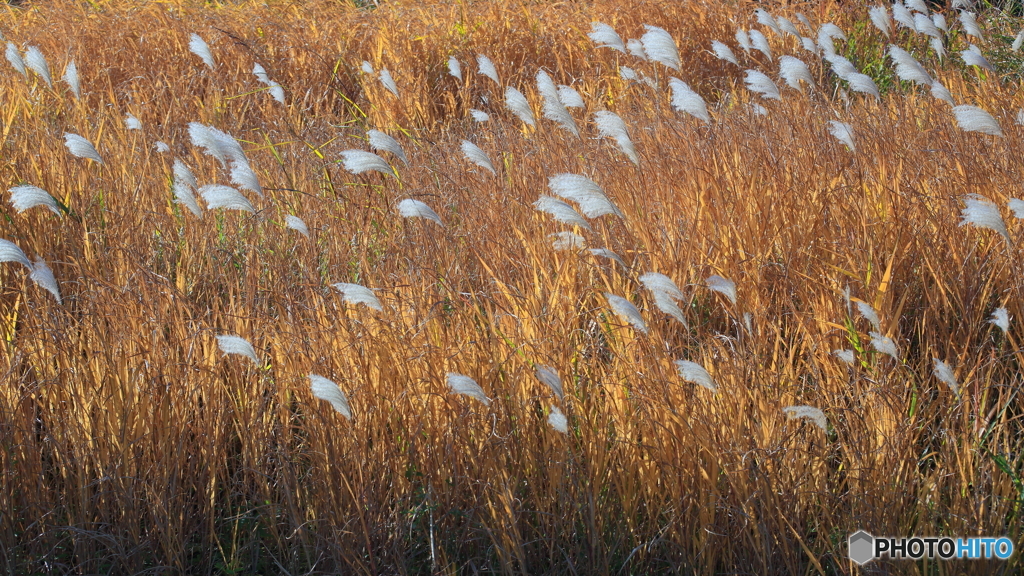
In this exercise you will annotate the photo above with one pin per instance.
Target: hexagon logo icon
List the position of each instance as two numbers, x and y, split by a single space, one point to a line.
861 546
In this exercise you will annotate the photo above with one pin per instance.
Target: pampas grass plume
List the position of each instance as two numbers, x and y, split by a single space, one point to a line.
561 212
845 355
636 48
27 196
81 147
842 132
558 421
461 384
381 141
553 107
656 282
907 68
132 123
43 277
550 377
518 104
454 68
695 374
945 374
14 57
200 48
477 156
760 43
220 196
924 25
793 71
183 195
569 97
970 24
582 190
229 344
983 213
868 313
35 60
296 223
743 39
1017 206
486 67
764 18
1018 41
606 253
479 115
357 294
762 84
10 252
71 77
327 390
611 125
864 84
902 15
627 311
1001 318
884 344
723 286
939 92
388 81
723 52
973 57
243 176
880 18
567 241
686 100
359 161
605 37
660 47
410 208
810 413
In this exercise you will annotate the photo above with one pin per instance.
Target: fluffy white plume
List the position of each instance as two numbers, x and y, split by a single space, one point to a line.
486 67
216 143
183 174
762 84
832 31
809 45
939 92
983 213
864 84
81 147
636 48
610 125
1001 318
743 39
843 132
461 384
1018 41
973 57
627 74
132 123
907 68
200 48
183 195
766 19
624 309
793 71
14 57
454 68
605 36
388 82
9 252
550 377
366 67
324 389
803 20
970 24
841 66
567 241
723 52
686 100
880 17
869 314
845 355
945 374
938 48
35 60
758 110
357 294
220 196
606 253
517 103
723 286
553 108
973 119
667 305
558 421
585 192
696 374
71 77
561 212
660 47
828 48
161 147
243 176
924 25
810 413
884 344
477 156
1017 206
296 223
917 5
902 15
43 277
261 73
787 26
381 141
760 43
359 161
570 97
479 115
28 196
410 208
940 22
237 345
656 282
276 91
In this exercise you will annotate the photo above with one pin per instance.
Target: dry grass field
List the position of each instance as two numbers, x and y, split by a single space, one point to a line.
131 443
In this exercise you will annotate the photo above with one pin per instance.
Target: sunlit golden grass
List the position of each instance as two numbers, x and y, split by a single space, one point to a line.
131 443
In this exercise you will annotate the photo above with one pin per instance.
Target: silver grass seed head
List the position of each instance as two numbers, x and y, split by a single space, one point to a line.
14 57
723 286
36 62
723 52
380 141
605 37
220 196
561 212
519 105
880 18
550 378
357 294
410 208
1001 319
27 196
660 47
10 252
454 68
200 48
462 384
761 84
582 190
360 161
685 99
388 81
884 344
793 71
816 416
43 277
558 421
983 213
569 97
625 310
695 374
477 156
328 391
945 375
132 123
231 344
80 147
295 223
611 125
71 77
760 43
486 67
843 132
553 108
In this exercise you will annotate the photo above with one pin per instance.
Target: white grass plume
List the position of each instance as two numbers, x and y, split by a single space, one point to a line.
743 39
843 132
27 196
356 294
880 18
230 344
388 81
359 161
220 196
636 48
606 37
606 253
1018 41
553 108
43 277
656 282
924 25
667 305
983 213
902 15
71 77
884 344
627 311
803 20
907 68
161 147
723 52
869 314
582 190
611 125
695 374
660 47
80 147
296 223
793 71
183 195
36 62
561 212
973 57
841 66
945 375
764 18
916 5
550 377
132 123
826 45
479 115
328 391
461 384
973 119
567 241
558 421
939 92
486 67
519 105
183 174
787 26
684 99
723 286
10 252
14 57
276 91
760 43
809 45
477 156
970 24
569 97
938 47
628 74
832 31
865 84
366 67
1001 318
762 84
1017 206
216 143
454 68
808 412
845 355
940 22
243 176
410 208
381 141
200 48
